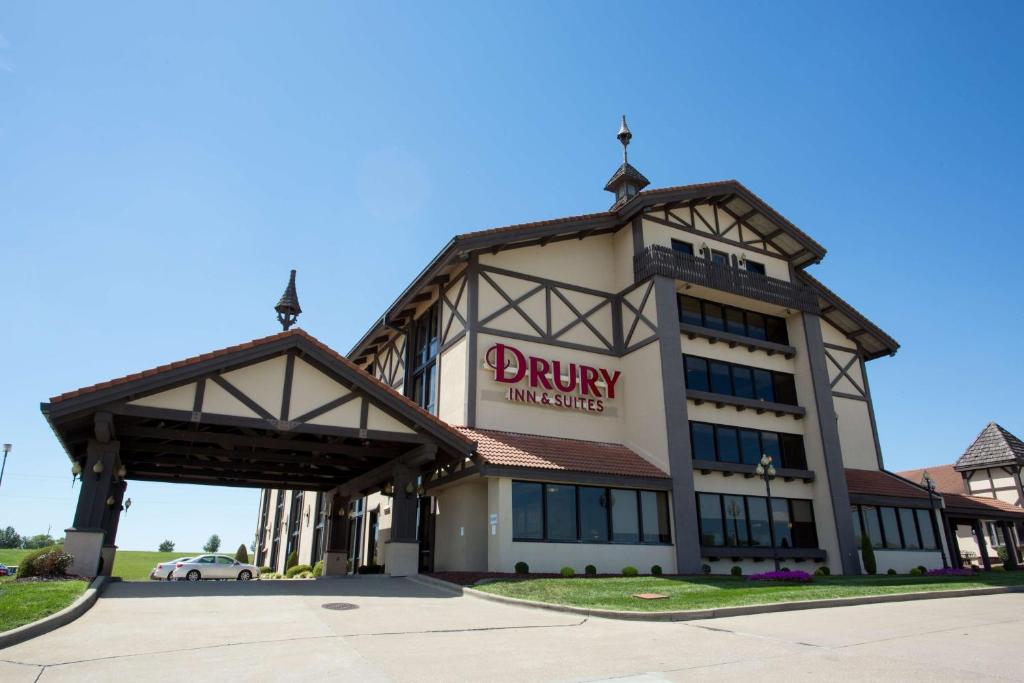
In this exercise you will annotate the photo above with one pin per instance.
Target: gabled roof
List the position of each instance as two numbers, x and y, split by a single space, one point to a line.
881 483
850 321
558 454
993 446
947 479
626 170
92 397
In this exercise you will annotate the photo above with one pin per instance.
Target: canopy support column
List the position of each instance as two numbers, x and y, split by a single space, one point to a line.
979 536
336 556
85 539
1012 557
402 550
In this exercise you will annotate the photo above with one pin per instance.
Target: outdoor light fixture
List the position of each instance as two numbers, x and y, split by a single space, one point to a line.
409 488
98 468
110 501
420 490
122 471
929 484
388 490
766 470
127 504
76 471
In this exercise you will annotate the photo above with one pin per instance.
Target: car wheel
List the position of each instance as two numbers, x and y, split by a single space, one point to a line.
193 575
170 574
244 575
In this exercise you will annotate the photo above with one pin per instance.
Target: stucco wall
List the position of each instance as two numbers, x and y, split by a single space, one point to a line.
451 385
855 434
608 558
643 404
590 262
905 560
461 527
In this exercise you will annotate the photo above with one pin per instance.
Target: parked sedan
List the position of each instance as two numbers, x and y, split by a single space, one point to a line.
214 567
8 571
164 570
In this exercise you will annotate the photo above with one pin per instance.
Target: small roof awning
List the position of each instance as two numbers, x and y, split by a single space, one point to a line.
878 487
284 411
977 507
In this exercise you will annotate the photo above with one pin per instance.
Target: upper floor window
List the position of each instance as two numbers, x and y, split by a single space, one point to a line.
682 247
755 267
742 521
733 379
719 258
724 443
424 360
716 316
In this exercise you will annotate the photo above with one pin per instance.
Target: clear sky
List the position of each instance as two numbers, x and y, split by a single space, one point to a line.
163 167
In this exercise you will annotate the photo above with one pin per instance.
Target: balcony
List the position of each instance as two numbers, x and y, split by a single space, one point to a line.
658 260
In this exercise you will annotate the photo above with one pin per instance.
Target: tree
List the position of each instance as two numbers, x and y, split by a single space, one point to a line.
867 555
38 541
9 538
166 547
213 544
242 555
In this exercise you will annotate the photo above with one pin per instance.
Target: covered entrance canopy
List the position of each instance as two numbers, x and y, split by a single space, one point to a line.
284 411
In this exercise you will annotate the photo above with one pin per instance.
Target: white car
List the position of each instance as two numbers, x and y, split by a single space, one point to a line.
163 570
214 567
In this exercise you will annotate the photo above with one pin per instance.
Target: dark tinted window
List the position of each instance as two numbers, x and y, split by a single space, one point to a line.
561 512
689 311
728 446
776 330
890 527
911 541
793 451
714 316
625 516
780 515
682 247
857 530
924 523
764 390
697 374
711 527
527 510
720 258
802 524
755 267
760 530
869 515
750 446
593 514
703 440
770 447
654 514
735 521
785 388
721 380
742 382
734 321
756 326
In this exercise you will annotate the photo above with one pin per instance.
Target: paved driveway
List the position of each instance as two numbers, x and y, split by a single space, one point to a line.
402 630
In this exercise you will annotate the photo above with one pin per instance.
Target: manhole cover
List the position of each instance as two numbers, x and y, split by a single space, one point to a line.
339 606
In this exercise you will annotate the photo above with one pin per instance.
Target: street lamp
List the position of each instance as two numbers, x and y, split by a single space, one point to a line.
7 449
766 471
929 484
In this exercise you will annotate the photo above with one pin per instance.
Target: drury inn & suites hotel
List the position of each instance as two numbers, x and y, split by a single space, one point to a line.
596 389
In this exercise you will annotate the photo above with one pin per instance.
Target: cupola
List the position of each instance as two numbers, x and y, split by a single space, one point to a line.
626 182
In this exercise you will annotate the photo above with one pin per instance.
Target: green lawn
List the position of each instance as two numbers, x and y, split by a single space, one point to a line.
24 602
130 565
686 593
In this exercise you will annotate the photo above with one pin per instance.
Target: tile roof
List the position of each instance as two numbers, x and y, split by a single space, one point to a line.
947 479
958 501
296 333
554 453
994 446
879 483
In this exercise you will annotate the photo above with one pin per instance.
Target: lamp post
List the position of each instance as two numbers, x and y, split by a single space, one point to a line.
930 485
7 449
766 471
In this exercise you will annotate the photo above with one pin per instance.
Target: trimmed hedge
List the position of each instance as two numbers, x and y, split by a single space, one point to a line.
293 560
736 570
590 570
297 569
522 568
656 570
567 572
630 571
318 569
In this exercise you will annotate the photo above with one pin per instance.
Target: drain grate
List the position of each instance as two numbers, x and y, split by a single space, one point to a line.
339 606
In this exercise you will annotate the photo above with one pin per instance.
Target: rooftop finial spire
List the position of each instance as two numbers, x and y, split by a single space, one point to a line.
624 137
288 308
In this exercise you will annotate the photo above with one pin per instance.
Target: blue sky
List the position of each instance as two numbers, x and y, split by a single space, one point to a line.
163 167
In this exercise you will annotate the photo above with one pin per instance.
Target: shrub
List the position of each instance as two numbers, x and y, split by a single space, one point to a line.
297 569
891 572
656 570
785 569
266 570
782 575
736 570
318 569
867 555
567 572
242 555
822 571
922 568
916 571
33 563
304 575
705 569
522 568
590 570
630 571
293 559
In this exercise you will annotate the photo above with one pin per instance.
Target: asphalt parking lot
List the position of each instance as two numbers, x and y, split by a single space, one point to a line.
402 630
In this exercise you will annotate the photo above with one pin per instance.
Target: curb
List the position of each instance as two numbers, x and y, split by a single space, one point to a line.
57 619
692 615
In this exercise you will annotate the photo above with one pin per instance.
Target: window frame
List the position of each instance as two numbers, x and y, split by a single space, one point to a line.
782 437
785 378
769 320
746 517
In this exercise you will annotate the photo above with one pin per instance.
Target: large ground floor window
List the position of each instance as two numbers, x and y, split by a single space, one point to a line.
891 528
742 521
588 514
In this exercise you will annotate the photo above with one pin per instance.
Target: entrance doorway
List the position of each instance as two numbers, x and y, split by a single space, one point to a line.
373 533
425 534
356 534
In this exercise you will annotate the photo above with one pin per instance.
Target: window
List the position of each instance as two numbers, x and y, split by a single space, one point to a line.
895 528
261 548
424 360
527 511
742 521
593 514
275 533
294 522
318 528
755 267
911 539
561 507
682 247
224 560
858 530
207 559
625 516
588 514
872 527
890 527
728 444
732 379
719 258
738 321
925 525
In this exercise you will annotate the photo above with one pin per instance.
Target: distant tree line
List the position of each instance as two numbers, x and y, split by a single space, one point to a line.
9 538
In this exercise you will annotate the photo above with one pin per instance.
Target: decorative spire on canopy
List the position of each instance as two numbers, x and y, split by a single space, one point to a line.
288 308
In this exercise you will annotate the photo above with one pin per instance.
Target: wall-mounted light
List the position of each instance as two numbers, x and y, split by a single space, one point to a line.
110 501
97 468
420 490
389 489
127 504
409 488
76 471
122 472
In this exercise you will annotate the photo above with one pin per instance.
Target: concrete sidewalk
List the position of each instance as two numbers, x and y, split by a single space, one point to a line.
406 631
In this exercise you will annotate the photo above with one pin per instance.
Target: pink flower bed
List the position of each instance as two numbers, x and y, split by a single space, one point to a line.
790 575
951 571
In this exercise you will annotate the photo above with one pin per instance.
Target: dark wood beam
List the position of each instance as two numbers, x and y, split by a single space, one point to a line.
135 449
291 484
177 464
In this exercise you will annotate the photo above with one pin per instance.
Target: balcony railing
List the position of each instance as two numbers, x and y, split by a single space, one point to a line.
658 260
